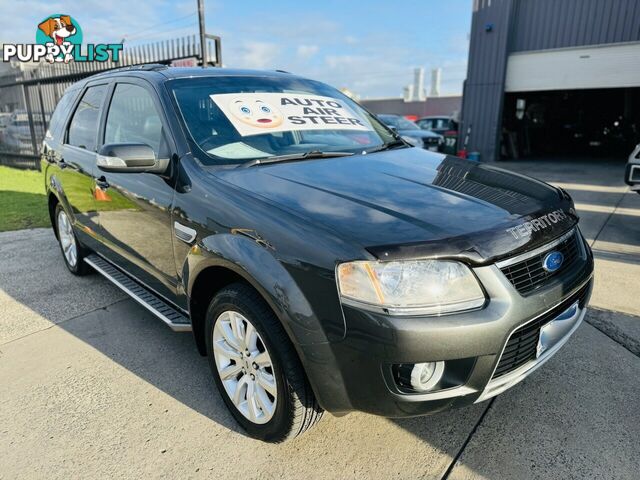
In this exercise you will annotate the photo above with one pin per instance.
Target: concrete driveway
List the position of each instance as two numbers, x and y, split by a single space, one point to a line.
92 386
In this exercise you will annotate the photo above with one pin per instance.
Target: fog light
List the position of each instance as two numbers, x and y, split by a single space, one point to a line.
424 376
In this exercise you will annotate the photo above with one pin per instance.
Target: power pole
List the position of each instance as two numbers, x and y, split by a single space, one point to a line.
203 40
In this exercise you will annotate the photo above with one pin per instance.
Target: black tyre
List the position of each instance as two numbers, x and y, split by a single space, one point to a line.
256 368
73 252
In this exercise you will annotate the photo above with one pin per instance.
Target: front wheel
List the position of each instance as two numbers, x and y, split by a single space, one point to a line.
256 368
72 252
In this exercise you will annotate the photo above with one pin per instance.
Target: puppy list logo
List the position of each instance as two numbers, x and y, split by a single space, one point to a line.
59 39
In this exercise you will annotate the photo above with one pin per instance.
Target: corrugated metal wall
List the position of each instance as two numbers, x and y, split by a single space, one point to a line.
545 24
529 25
483 91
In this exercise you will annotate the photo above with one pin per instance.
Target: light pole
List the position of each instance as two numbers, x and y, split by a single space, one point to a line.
203 40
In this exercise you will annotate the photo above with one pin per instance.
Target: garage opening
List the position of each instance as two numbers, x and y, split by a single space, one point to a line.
601 122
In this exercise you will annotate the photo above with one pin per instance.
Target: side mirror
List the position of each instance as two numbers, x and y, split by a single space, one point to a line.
130 158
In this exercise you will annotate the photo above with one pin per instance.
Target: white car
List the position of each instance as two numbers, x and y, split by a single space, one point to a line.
17 134
632 172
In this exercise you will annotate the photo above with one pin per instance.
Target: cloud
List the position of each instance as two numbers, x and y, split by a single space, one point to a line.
368 60
255 54
339 61
100 21
307 51
365 74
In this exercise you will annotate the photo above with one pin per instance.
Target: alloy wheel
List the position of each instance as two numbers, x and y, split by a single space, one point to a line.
67 239
245 367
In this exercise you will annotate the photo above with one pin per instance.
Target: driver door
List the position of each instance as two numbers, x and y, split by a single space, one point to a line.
134 213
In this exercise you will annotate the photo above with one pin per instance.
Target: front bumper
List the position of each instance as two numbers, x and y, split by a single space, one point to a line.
572 318
358 372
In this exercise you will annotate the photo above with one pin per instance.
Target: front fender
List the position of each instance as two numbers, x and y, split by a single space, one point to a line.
258 265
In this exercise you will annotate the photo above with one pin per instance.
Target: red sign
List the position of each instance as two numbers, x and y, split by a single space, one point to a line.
185 62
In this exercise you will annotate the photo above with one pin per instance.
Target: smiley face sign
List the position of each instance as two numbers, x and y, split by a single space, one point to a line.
269 112
256 112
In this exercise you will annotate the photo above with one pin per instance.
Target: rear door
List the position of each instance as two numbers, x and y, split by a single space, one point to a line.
136 225
77 162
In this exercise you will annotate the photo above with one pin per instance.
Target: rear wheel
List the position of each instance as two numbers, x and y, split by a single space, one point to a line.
72 252
256 368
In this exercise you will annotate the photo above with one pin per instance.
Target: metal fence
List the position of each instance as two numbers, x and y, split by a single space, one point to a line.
28 96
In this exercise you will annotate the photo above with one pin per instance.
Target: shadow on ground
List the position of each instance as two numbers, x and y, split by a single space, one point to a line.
572 419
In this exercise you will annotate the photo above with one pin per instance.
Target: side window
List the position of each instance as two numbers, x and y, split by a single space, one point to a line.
84 124
133 118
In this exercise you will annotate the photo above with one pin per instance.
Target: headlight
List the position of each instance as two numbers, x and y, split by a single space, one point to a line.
417 287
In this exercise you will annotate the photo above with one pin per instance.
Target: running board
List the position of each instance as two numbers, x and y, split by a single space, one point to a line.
149 300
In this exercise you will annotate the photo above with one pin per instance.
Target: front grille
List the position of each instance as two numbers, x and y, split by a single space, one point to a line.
522 344
528 274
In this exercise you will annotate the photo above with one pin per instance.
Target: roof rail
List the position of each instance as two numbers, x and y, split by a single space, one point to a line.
142 67
282 71
152 66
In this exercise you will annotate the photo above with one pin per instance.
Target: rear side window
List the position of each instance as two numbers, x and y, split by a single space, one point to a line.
60 113
133 118
84 124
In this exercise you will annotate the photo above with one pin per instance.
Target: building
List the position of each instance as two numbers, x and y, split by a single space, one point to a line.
552 77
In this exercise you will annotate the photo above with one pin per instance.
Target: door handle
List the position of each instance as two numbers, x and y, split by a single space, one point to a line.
62 164
102 183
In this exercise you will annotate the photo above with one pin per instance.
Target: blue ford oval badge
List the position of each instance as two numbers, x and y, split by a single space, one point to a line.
552 261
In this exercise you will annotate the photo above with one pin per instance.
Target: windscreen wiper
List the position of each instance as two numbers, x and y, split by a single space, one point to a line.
295 156
396 143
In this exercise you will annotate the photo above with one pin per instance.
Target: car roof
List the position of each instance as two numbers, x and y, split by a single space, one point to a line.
158 73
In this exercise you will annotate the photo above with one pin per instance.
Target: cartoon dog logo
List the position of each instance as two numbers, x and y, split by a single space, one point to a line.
256 113
59 29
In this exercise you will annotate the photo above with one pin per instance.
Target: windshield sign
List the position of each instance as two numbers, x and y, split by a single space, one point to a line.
259 113
232 119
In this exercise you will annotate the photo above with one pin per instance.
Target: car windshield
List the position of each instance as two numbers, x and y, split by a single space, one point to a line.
236 119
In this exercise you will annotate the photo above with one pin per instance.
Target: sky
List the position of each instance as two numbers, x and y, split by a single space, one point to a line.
368 46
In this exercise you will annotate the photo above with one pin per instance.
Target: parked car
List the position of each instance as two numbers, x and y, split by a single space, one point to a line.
632 172
406 128
438 125
445 126
414 142
17 134
320 262
4 122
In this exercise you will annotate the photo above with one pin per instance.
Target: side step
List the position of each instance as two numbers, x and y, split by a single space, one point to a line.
149 300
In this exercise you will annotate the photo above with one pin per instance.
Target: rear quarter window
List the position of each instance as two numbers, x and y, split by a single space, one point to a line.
60 114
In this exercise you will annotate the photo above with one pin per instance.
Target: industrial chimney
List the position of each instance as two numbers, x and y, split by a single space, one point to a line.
435 82
416 92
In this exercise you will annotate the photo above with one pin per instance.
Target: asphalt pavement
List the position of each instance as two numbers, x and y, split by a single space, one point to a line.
93 386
